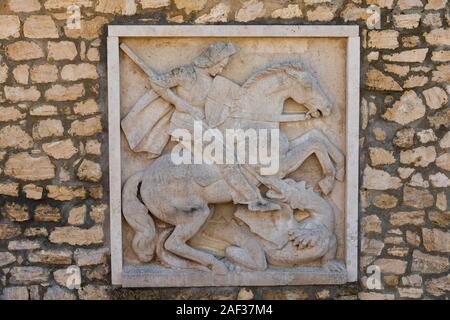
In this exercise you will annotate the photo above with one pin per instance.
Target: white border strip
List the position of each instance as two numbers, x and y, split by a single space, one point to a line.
352 118
352 159
232 31
115 184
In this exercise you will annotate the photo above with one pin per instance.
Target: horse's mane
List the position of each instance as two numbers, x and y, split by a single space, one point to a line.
283 66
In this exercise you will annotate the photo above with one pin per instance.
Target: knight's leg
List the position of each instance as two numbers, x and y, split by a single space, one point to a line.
176 242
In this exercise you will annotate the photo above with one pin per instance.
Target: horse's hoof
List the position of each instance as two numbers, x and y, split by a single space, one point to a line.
219 268
340 174
326 184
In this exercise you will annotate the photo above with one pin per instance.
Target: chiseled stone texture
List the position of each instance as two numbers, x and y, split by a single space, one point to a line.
53 141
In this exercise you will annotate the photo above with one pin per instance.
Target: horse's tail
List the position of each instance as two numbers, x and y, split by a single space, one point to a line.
137 215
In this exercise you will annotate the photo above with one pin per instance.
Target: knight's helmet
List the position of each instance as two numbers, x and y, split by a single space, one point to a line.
215 53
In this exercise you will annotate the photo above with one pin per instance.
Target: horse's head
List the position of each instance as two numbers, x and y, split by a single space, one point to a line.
305 90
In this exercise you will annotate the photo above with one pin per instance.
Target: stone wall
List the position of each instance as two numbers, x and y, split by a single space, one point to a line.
53 143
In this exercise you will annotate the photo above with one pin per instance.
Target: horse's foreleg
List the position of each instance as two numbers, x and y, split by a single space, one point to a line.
176 242
336 154
301 149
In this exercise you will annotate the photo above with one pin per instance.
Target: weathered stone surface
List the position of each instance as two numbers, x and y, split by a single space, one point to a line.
398 251
89 257
44 73
86 107
438 286
413 293
17 245
440 119
426 136
379 81
15 293
435 97
19 94
397 69
290 12
86 127
384 201
442 73
90 29
26 167
24 50
435 4
94 292
251 10
409 4
427 263
443 161
24 5
379 180
63 149
371 223
405 173
445 141
9 27
25 275
99 272
321 13
413 280
436 240
50 256
438 37
16 212
153 4
89 171
21 74
97 213
75 72
416 218
93 147
219 13
393 266
439 180
126 7
372 247
415 55
383 39
408 109
63 50
58 92
40 27
63 4
64 193
46 213
419 157
35 232
77 236
77 215
58 293
3 73
415 81
48 128
9 189
407 21
375 296
441 56
388 4
10 114
380 156
44 110
404 138
413 238
418 181
441 201
8 231
6 258
417 198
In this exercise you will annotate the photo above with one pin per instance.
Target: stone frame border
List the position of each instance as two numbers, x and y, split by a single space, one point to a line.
351 32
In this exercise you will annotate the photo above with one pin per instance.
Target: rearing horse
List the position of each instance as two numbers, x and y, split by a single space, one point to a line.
181 195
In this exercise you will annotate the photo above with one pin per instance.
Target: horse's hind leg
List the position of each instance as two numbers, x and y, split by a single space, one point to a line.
176 243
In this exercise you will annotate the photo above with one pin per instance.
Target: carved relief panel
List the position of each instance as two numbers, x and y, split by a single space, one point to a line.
182 217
